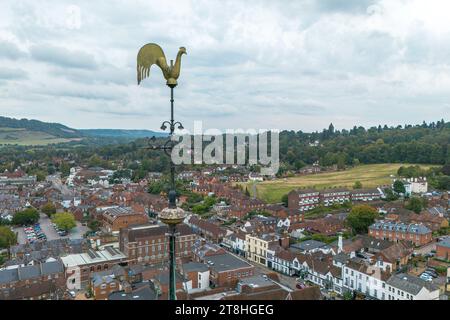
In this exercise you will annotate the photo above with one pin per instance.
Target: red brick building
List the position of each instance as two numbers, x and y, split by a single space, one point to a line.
150 243
116 218
207 229
443 249
388 230
226 269
303 199
40 281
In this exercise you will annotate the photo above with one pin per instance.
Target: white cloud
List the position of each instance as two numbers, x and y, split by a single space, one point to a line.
291 64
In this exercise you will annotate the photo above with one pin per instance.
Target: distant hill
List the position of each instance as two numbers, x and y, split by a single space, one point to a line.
121 133
34 132
54 129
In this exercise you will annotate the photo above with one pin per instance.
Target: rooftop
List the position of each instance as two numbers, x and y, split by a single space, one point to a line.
410 284
226 262
308 245
141 291
108 254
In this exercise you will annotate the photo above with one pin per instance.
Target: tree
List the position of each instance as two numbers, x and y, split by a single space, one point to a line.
415 204
65 169
399 187
357 185
361 217
41 175
446 169
94 225
285 199
7 237
390 195
64 220
26 217
247 193
49 209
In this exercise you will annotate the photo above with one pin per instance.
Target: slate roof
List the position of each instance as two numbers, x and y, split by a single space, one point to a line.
143 231
227 262
7 276
142 291
30 272
52 267
341 257
195 266
400 227
445 243
410 284
308 245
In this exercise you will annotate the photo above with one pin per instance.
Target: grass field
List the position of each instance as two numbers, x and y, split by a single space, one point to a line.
369 175
24 137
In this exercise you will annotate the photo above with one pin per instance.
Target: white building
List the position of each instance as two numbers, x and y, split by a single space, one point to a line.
365 278
407 287
201 273
375 281
79 266
416 185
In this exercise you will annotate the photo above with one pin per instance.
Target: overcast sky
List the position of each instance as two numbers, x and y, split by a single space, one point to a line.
250 64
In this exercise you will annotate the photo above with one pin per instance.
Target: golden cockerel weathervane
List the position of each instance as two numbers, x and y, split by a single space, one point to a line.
151 54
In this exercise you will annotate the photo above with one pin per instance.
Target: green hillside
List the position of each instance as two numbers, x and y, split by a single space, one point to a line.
34 132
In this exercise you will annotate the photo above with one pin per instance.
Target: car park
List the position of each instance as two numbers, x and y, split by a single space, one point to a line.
34 233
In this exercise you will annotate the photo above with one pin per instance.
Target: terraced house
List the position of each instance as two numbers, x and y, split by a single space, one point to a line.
334 196
41 281
366 194
303 199
257 246
387 230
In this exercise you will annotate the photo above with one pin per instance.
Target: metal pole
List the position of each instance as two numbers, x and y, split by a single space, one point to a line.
172 193
172 204
172 281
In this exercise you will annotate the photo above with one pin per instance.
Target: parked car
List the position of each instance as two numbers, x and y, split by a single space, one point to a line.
426 277
431 273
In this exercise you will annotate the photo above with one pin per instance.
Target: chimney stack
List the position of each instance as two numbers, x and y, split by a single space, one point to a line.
340 243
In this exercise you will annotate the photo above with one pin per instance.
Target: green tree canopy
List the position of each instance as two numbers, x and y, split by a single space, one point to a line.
357 185
94 225
64 220
415 204
49 209
399 186
7 237
285 199
361 217
26 217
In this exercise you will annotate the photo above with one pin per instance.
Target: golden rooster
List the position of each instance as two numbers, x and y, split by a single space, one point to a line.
151 54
